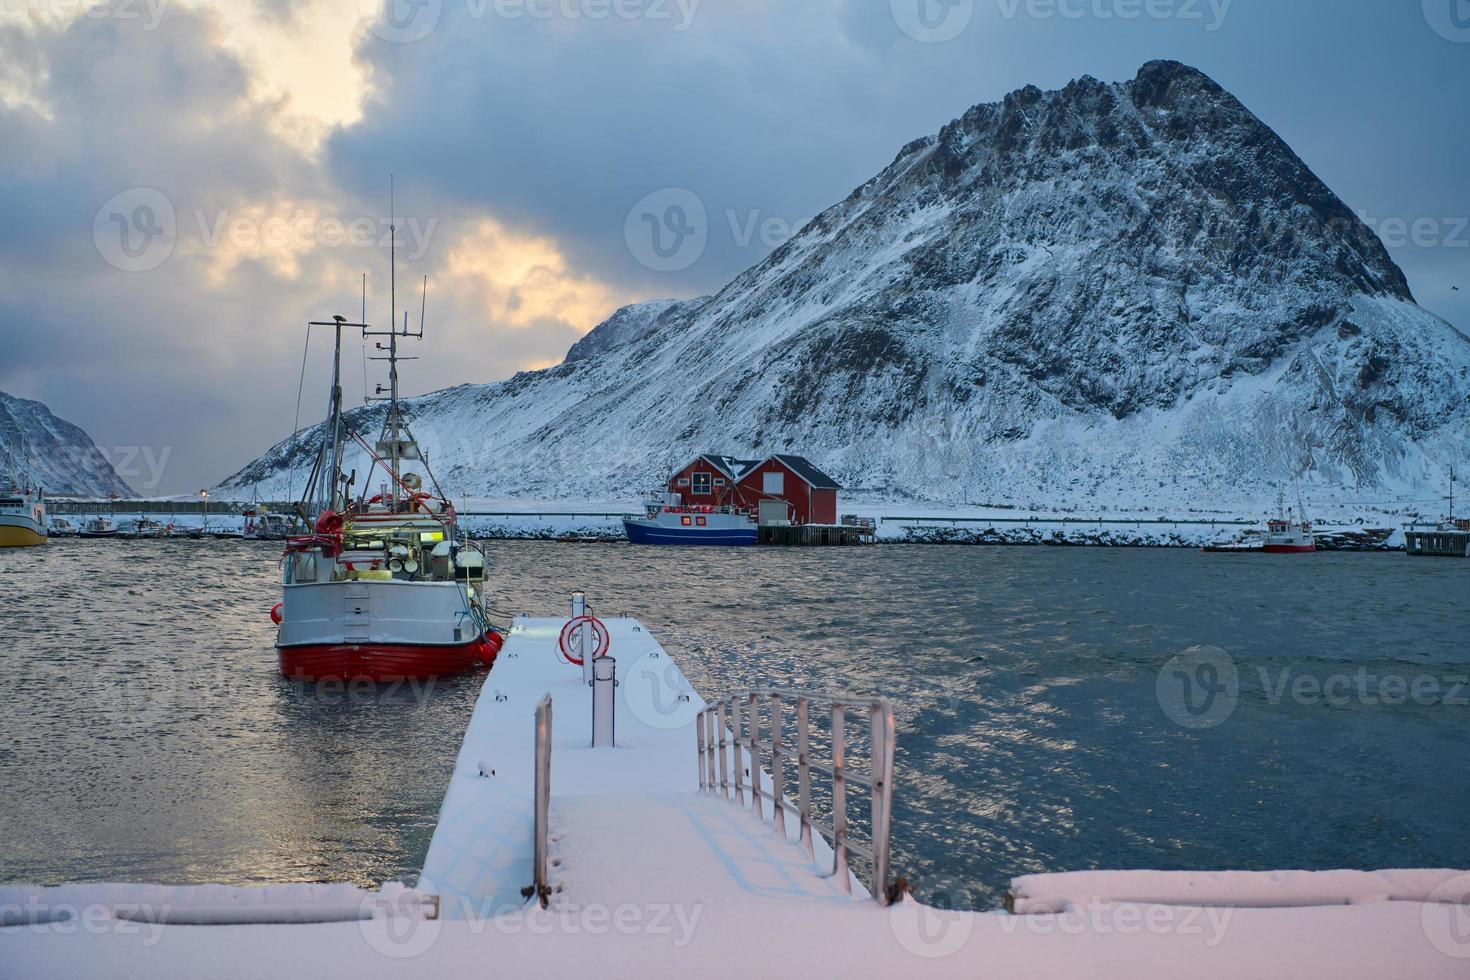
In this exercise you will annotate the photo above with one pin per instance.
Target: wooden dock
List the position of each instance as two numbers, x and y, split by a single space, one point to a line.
1449 540
816 535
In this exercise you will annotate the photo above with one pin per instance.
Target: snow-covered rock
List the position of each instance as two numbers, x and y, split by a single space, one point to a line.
1114 294
628 326
60 457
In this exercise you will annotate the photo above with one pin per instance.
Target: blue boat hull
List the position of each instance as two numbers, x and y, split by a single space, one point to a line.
640 532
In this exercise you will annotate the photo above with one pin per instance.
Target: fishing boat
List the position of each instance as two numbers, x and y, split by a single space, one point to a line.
386 587
145 527
666 519
1287 533
99 527
61 527
22 512
262 525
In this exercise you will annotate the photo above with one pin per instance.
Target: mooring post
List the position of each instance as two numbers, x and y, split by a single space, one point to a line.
604 703
584 634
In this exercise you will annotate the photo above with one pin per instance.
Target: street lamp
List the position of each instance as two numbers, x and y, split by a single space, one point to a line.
205 495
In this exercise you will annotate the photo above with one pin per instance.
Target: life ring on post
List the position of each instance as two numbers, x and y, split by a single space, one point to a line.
571 636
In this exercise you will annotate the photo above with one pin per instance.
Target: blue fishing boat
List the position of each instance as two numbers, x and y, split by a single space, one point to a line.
667 520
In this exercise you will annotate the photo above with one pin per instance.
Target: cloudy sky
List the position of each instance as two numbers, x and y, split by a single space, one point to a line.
184 183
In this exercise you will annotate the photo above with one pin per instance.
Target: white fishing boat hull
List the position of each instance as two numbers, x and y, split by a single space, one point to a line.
379 630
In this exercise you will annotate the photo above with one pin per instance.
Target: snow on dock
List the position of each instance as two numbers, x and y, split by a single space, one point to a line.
480 857
649 875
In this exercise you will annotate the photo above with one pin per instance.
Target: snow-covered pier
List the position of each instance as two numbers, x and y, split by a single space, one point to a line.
654 865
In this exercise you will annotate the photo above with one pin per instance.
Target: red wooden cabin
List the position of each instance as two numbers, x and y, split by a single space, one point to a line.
791 488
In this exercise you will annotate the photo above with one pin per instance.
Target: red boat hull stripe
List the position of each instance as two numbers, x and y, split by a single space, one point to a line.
380 661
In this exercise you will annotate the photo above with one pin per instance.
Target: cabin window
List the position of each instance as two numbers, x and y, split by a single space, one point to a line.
685 521
702 521
702 482
774 483
303 567
683 481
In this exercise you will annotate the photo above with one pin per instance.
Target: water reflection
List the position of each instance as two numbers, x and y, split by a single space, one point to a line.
149 737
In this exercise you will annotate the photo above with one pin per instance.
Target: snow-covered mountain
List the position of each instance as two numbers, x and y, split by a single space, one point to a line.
1129 293
60 457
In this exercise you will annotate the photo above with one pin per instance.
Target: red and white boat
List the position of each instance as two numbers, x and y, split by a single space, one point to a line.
386 588
1288 535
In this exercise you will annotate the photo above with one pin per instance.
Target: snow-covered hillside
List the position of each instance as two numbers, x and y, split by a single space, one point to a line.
60 457
1129 293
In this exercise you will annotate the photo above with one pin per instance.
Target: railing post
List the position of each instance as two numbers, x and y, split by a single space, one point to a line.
778 770
723 736
804 773
700 724
839 798
709 750
738 738
754 711
882 772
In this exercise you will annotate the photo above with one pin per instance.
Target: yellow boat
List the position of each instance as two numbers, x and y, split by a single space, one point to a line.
22 518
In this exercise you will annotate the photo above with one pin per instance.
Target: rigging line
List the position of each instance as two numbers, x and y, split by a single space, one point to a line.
301 385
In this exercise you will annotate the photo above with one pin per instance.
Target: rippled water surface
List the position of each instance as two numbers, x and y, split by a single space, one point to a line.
146 735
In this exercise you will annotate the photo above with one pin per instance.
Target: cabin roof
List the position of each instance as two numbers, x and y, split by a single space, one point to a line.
808 471
728 465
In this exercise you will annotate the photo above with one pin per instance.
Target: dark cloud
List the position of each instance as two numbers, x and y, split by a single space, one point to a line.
551 130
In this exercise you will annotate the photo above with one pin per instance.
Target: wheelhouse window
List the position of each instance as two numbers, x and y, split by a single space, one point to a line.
702 483
303 567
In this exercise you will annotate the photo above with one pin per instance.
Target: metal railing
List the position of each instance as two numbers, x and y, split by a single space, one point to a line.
727 743
541 888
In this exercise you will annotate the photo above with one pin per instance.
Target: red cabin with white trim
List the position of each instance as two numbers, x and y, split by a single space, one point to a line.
710 481
781 488
789 484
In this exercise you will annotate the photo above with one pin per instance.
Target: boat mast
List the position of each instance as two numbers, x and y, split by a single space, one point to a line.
336 500
396 443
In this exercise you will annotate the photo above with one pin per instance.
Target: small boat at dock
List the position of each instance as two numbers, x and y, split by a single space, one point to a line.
666 519
99 527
